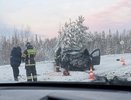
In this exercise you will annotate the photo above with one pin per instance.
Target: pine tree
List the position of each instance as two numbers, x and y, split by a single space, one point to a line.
74 35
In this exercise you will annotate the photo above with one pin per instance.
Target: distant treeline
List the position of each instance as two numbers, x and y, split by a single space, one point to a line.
72 35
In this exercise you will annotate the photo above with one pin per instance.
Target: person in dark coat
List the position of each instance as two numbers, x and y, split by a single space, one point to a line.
58 59
88 60
15 61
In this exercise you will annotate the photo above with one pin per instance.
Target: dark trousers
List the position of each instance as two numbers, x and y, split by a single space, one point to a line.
31 73
15 73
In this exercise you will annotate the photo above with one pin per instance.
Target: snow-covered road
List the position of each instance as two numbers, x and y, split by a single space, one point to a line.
45 70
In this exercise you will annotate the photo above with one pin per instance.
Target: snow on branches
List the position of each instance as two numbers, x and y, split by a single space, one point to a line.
73 35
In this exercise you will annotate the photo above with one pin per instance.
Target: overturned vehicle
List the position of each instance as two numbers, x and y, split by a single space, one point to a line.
76 60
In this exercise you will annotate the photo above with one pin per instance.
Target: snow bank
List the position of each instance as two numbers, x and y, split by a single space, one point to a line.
45 70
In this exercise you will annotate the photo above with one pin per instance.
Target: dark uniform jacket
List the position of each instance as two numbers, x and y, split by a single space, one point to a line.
29 55
58 57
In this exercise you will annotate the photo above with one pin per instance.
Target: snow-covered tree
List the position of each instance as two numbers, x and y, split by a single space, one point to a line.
74 34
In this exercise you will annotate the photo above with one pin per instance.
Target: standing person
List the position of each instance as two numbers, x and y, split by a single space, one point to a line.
15 61
58 59
88 60
29 55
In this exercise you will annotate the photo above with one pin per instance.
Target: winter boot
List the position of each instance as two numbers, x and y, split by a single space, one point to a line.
35 79
29 80
16 79
58 70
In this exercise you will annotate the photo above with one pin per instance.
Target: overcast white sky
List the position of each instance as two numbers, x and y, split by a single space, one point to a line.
46 16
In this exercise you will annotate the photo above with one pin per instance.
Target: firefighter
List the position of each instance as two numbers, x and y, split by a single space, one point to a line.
29 55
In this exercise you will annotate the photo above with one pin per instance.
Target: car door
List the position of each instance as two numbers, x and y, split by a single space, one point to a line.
95 57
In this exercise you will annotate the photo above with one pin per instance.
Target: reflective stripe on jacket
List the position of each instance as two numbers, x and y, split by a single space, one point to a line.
29 56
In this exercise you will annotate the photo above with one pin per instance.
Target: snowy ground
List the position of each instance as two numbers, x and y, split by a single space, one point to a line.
109 67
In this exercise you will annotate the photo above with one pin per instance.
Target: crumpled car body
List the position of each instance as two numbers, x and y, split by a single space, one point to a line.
78 60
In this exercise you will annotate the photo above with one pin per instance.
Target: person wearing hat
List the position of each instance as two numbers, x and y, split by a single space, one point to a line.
30 66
